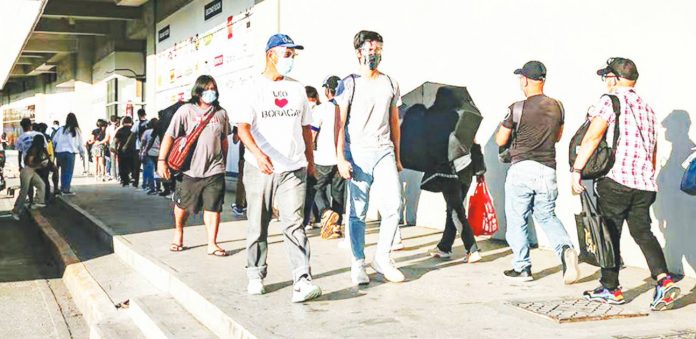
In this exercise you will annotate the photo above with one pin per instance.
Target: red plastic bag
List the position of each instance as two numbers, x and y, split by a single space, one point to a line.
482 217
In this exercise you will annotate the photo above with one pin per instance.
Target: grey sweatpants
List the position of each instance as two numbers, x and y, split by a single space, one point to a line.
289 189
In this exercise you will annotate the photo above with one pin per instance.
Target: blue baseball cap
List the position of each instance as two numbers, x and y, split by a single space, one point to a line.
281 40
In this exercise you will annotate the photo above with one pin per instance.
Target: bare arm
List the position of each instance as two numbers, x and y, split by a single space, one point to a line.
395 135
308 136
344 167
503 135
165 147
264 162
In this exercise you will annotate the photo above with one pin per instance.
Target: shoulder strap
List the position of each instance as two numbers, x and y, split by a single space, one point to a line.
616 105
517 109
352 96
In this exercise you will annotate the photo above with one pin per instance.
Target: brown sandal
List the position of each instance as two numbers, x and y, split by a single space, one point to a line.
218 253
176 247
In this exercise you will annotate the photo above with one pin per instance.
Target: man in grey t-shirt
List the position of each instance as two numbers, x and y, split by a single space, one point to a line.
368 151
531 181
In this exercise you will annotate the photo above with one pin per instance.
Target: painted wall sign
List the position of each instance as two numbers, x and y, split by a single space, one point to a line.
212 9
163 34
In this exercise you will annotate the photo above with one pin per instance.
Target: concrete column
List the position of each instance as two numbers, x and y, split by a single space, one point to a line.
85 59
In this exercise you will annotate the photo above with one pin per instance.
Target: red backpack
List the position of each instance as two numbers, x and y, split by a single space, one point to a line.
180 154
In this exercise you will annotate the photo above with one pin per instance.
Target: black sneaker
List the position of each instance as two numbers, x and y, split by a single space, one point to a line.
571 270
525 275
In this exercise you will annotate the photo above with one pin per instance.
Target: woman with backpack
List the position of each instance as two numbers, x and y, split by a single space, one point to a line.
36 158
67 143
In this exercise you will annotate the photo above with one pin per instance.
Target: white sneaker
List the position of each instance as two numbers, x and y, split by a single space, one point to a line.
309 227
398 246
255 287
388 270
15 216
436 252
358 274
571 269
304 290
37 206
474 257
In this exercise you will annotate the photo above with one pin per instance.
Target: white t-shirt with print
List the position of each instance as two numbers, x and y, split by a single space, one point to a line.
370 101
276 111
324 117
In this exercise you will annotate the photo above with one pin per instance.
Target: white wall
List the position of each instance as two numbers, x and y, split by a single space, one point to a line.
479 43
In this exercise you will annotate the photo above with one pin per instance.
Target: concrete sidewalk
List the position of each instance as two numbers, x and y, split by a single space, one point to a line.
439 299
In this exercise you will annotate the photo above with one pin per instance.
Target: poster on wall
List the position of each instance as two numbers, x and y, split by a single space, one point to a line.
223 52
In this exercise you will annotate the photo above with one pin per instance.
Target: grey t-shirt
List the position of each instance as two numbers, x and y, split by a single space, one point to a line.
370 101
208 158
541 119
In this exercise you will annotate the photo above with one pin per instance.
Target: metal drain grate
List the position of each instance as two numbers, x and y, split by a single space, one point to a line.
576 310
683 334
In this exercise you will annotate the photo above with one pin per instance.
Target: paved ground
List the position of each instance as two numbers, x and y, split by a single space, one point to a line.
34 303
439 298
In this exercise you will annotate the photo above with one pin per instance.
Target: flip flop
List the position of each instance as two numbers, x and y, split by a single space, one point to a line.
218 253
176 247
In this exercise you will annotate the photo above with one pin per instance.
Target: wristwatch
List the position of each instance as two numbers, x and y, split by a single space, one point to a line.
575 170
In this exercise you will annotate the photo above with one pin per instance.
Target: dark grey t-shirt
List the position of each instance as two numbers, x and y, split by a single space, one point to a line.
542 118
208 158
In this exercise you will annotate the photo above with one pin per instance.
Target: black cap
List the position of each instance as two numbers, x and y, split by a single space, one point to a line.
331 82
621 67
534 70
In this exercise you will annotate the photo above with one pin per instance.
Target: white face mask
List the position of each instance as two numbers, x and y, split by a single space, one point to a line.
284 65
208 96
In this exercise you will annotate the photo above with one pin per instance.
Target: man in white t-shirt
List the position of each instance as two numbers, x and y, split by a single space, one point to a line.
368 152
323 127
273 121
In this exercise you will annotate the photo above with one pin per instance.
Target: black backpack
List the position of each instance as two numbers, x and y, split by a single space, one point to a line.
165 118
602 159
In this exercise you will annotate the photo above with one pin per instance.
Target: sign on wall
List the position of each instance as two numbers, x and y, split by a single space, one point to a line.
212 9
163 34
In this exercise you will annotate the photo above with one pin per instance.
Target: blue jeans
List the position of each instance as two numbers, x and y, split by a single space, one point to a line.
531 186
376 166
148 173
107 165
66 162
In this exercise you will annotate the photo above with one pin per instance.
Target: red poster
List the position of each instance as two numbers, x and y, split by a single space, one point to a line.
219 60
229 27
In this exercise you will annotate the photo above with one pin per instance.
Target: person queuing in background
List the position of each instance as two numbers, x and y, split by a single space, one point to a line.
203 184
629 189
531 181
50 169
327 177
53 129
112 155
34 158
68 143
25 140
311 214
453 179
125 145
153 150
146 142
138 129
240 204
99 150
368 153
273 119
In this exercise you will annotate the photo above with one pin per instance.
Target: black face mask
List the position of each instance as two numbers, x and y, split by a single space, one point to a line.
372 61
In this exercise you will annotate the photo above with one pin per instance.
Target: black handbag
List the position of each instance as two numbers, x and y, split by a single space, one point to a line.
596 246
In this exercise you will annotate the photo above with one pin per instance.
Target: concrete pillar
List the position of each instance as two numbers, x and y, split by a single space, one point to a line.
85 59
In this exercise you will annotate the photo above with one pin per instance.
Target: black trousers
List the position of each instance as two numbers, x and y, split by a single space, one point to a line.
125 167
240 197
328 176
619 203
135 169
456 218
310 209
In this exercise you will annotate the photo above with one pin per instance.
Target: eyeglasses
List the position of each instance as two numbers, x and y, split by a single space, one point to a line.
285 52
606 76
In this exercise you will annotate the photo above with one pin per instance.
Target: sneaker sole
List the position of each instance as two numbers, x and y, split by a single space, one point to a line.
400 279
572 273
668 300
605 301
446 256
315 293
522 279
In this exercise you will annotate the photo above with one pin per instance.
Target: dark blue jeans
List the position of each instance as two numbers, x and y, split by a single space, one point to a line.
66 162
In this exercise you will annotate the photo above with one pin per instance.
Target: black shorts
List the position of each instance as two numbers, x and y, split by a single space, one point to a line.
196 194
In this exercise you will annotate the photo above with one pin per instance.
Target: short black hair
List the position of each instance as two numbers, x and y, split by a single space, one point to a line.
56 122
127 120
42 127
363 36
141 112
26 124
114 118
312 92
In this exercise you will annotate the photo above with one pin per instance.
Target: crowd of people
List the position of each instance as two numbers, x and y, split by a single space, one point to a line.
303 160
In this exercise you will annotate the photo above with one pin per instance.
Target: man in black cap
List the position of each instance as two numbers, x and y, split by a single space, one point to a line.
324 119
534 125
629 189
